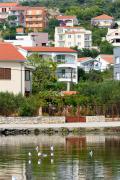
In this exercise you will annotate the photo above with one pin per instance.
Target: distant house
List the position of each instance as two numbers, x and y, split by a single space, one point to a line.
100 63
5 8
32 39
113 36
103 21
117 63
105 61
15 75
73 36
65 58
67 20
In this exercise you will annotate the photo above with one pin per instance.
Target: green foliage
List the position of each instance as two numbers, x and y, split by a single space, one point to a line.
97 34
51 28
106 47
9 103
30 106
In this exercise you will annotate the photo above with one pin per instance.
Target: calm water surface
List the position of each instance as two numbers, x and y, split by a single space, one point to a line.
72 159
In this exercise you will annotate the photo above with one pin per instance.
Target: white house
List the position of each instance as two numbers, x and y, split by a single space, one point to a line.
65 58
67 20
113 36
73 36
15 75
100 63
32 39
103 21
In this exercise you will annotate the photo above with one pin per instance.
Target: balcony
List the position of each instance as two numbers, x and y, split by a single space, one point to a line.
34 19
34 26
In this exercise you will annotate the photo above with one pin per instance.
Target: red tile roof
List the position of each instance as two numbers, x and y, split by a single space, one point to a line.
8 52
49 49
65 17
83 59
19 8
107 57
103 17
8 4
69 27
69 93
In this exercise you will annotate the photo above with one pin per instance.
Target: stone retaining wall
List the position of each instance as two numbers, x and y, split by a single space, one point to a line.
32 120
95 118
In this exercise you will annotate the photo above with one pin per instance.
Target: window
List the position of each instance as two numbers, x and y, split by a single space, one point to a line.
69 44
79 36
69 36
60 30
118 76
117 60
5 73
27 75
3 9
78 43
61 58
87 37
116 34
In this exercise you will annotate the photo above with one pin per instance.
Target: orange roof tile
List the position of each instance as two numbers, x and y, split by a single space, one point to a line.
18 8
103 17
12 4
65 17
8 52
83 59
49 49
69 92
69 27
107 57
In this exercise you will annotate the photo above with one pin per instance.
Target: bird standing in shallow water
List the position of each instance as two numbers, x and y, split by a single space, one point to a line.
51 148
29 154
39 154
37 148
91 153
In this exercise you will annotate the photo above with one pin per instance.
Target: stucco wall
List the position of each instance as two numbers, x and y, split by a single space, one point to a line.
17 82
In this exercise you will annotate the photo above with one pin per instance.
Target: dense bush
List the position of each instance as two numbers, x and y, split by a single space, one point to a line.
15 105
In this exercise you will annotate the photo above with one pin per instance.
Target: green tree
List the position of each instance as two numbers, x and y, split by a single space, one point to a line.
44 74
106 47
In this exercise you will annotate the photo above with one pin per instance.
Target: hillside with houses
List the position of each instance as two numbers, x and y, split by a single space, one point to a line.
44 50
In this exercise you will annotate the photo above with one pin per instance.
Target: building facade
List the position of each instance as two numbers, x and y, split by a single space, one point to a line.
18 13
103 21
100 63
67 20
73 36
32 39
65 58
36 19
15 75
113 36
117 63
4 10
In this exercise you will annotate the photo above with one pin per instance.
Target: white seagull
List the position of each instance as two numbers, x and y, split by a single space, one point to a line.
29 154
91 153
51 148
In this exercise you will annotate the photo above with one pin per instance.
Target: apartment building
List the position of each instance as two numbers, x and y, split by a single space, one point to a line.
73 36
19 15
65 58
67 20
113 36
4 10
117 63
32 39
103 21
35 19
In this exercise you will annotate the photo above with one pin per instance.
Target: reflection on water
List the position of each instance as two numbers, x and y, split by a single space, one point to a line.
70 159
